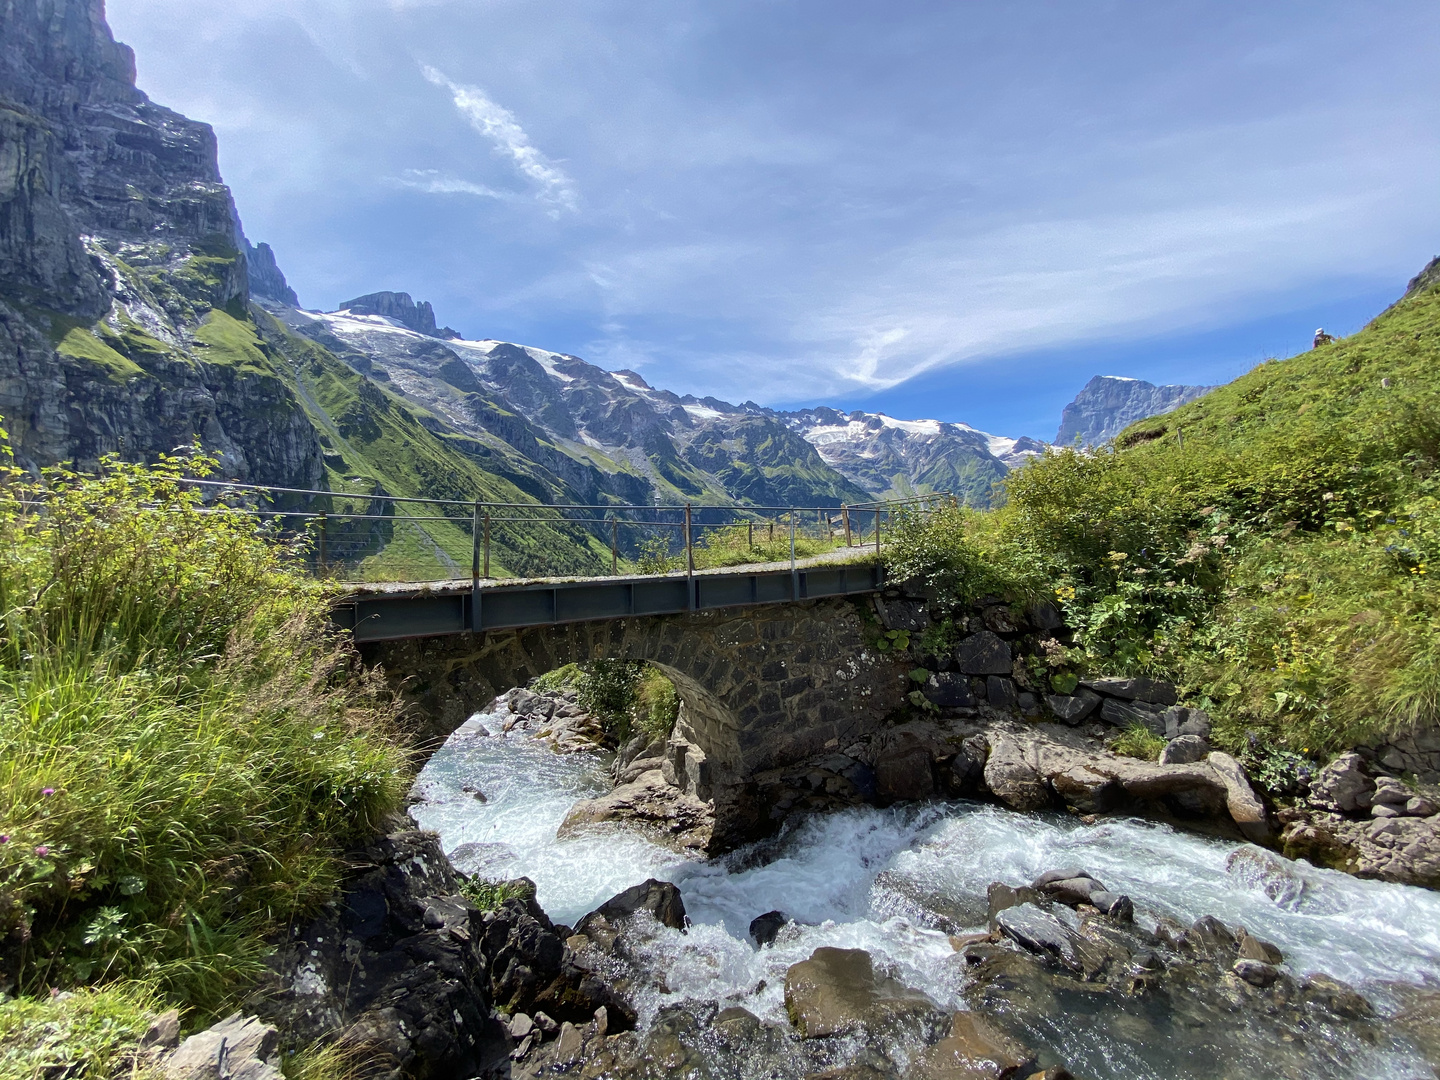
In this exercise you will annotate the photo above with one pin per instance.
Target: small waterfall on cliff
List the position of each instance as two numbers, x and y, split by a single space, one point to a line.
897 881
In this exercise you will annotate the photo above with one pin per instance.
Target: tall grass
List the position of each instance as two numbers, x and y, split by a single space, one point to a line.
186 749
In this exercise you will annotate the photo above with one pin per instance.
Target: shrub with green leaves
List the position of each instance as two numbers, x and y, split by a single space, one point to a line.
186 749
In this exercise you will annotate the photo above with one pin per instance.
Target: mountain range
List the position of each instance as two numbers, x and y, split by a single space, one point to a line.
136 316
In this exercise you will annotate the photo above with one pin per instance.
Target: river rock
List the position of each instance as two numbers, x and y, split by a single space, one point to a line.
764 928
1041 932
1073 708
1150 691
1420 806
1256 972
975 1048
237 1048
1072 889
660 898
837 991
1335 996
1249 947
1390 792
1246 809
663 811
1000 896
1342 785
984 653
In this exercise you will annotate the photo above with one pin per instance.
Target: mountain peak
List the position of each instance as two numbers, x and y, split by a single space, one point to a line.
401 307
1109 404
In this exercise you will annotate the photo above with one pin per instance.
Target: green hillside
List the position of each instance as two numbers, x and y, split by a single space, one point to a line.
1266 546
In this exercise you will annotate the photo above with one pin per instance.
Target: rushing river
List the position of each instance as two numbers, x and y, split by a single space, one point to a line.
895 881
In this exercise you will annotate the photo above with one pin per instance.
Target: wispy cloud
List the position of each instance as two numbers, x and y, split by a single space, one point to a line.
498 124
434 182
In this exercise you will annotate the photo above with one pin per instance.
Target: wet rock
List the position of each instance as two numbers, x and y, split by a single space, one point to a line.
1342 785
1000 896
660 898
975 1048
763 928
1419 1018
1335 996
521 1026
1070 889
837 991
966 773
1264 869
984 653
1001 693
1249 947
1073 708
1150 691
237 1048
1256 972
1040 932
1208 937
568 1045
664 812
1126 714
1116 905
1184 750
481 860
1180 721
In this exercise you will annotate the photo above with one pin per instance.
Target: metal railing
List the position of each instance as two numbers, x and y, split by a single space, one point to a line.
377 537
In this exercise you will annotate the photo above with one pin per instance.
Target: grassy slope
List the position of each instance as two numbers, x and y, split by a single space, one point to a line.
1267 545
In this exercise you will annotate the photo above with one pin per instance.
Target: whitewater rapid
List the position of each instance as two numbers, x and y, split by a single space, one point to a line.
895 882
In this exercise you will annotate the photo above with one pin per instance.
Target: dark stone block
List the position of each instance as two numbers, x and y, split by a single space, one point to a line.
1072 709
1126 714
1150 691
948 690
764 928
1001 692
902 615
984 654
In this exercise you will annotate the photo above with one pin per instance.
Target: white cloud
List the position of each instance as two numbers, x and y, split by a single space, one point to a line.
498 124
434 182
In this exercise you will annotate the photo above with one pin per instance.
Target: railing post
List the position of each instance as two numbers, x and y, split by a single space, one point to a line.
614 546
475 568
845 517
323 558
487 544
794 574
877 530
751 541
689 563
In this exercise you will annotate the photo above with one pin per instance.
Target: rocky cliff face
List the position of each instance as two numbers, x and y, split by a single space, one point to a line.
401 307
1109 404
119 243
266 280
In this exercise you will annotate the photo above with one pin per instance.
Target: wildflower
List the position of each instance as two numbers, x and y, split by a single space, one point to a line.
42 851
47 792
4 838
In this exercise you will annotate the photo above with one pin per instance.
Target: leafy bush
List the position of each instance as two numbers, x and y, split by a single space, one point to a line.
488 894
1268 546
628 697
186 749
655 557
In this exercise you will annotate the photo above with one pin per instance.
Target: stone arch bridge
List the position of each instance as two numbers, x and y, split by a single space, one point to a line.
771 667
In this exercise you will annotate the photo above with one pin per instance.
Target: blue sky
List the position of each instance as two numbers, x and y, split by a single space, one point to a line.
959 210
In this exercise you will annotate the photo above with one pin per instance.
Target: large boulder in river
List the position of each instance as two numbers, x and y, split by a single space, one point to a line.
652 803
660 898
974 1049
837 991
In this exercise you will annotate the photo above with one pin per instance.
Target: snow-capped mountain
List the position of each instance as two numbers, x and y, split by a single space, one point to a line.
611 434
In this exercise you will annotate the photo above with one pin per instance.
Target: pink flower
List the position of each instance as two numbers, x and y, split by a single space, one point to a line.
4 838
47 791
42 851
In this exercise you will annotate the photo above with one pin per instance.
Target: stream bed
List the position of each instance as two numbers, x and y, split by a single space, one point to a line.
898 881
